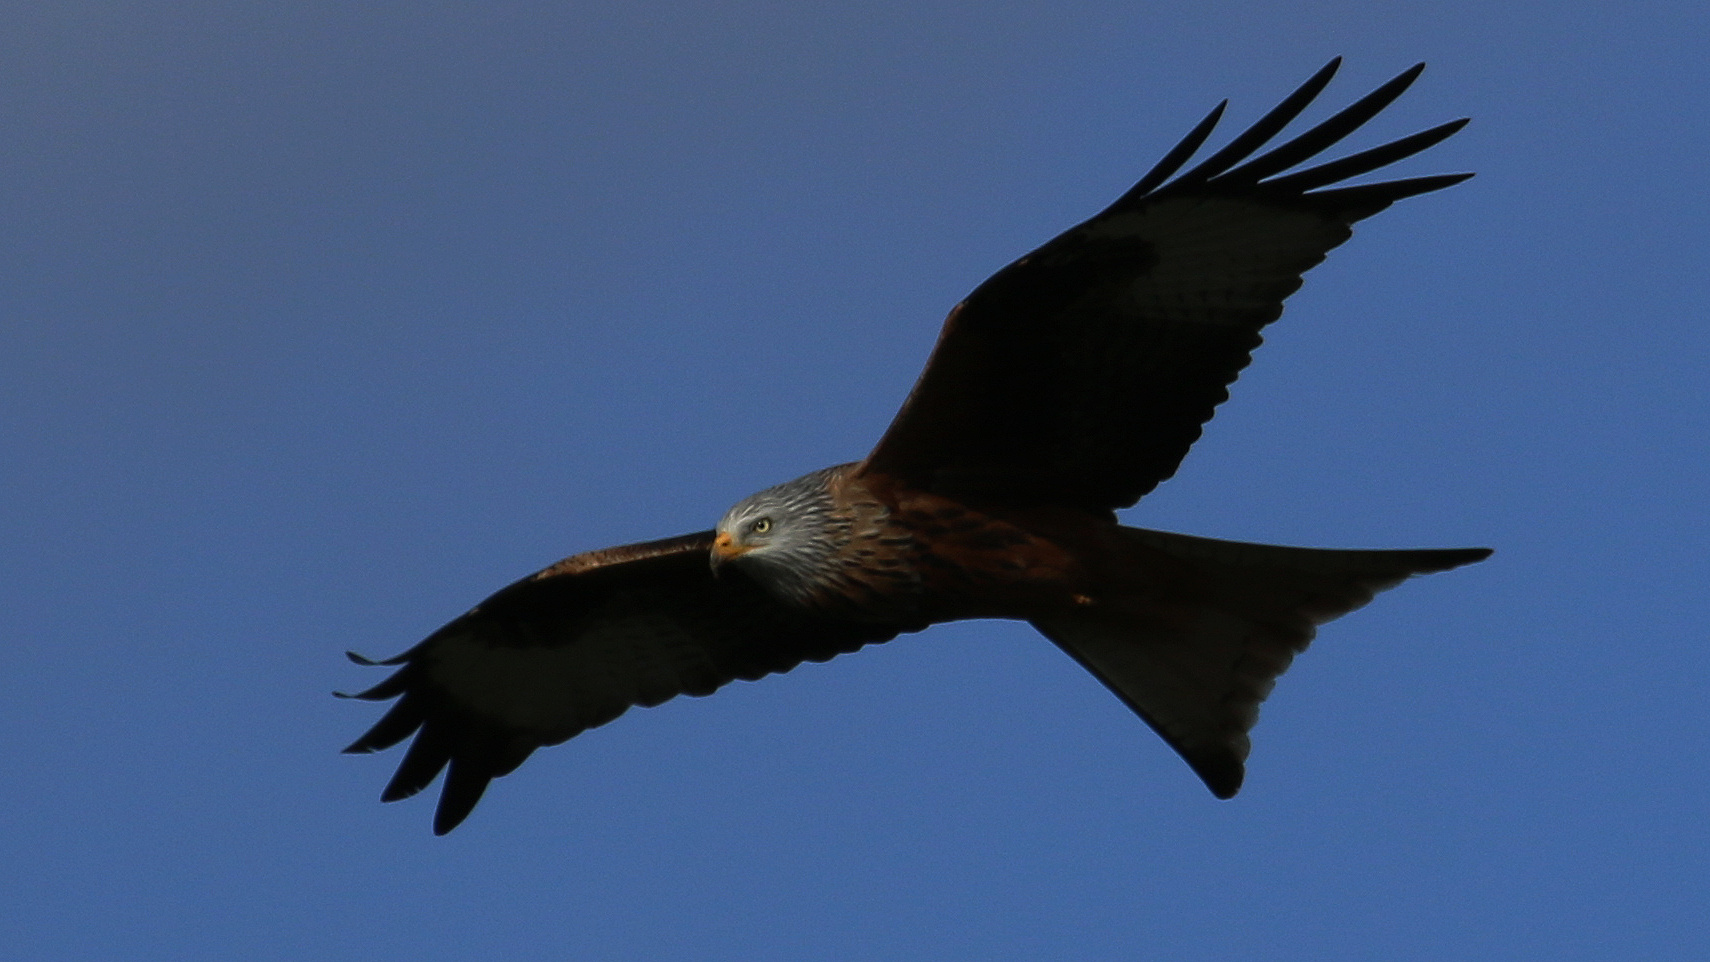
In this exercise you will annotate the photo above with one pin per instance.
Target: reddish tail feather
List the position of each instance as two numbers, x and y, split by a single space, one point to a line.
1196 660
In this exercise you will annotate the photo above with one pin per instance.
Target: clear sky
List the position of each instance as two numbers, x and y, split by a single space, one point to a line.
320 321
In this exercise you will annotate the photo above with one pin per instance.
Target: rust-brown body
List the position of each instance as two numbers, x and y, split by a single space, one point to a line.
986 561
1028 563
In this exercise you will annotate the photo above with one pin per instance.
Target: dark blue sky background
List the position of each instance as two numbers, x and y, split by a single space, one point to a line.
320 321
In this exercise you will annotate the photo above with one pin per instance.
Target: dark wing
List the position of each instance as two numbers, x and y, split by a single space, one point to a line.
574 646
1083 372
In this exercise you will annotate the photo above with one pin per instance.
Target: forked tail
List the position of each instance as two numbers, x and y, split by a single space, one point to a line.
1195 657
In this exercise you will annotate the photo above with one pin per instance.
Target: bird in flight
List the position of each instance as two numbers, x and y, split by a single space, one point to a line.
1066 386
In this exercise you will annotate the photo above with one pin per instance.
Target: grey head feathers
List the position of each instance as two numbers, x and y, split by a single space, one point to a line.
785 536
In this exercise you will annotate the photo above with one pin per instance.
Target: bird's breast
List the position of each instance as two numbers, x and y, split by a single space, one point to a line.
972 563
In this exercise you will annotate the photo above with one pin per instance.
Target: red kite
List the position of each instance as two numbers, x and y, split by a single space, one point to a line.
1066 386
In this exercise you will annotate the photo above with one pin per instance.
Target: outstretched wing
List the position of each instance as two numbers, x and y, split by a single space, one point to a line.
1083 372
575 646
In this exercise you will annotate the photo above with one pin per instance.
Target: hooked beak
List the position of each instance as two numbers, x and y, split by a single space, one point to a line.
724 550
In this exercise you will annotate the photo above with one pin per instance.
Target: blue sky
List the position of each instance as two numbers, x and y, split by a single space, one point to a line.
318 322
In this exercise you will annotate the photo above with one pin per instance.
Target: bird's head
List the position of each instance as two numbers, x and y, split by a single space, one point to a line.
748 527
782 536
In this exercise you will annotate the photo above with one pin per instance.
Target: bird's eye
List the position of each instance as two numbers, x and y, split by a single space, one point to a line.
761 525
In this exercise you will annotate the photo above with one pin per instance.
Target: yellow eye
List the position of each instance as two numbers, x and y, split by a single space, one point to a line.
761 526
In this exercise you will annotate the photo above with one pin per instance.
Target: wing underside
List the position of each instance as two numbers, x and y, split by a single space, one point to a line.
573 647
1083 372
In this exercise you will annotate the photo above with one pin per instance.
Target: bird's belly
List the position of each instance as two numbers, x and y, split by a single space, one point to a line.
971 564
